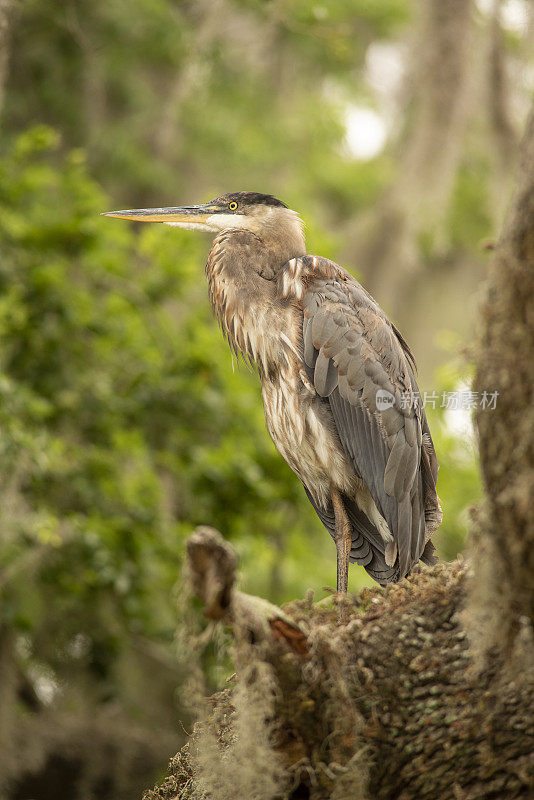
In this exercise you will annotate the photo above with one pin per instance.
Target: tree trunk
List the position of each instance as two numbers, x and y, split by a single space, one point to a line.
385 246
424 689
506 366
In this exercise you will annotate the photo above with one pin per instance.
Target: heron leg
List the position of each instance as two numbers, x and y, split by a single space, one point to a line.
343 532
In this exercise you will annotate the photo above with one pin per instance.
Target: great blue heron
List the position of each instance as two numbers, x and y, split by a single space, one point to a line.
339 391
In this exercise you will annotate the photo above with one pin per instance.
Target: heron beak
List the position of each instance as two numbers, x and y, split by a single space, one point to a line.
180 216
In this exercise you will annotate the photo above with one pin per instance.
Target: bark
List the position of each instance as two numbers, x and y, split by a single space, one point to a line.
506 366
390 704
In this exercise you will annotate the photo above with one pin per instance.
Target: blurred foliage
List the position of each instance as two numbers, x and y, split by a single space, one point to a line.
124 422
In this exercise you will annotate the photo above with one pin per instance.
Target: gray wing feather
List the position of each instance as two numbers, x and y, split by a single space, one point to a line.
418 519
324 375
351 350
310 353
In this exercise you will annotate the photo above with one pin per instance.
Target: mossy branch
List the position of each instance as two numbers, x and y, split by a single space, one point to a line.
211 567
392 702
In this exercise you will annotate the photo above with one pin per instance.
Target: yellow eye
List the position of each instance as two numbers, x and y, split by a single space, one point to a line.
232 206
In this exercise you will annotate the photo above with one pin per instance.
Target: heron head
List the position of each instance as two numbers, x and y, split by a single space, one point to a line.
262 214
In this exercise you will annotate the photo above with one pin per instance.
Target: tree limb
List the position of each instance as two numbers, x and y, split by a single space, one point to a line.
391 704
211 563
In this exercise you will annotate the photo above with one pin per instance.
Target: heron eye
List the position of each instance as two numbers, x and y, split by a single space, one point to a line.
232 206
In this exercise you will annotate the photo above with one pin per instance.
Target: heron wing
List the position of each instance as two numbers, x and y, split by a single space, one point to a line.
362 367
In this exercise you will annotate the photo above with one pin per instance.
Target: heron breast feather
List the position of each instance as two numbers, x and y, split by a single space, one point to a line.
304 434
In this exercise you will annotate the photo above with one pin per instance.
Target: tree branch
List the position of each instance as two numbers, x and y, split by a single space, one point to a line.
211 566
390 704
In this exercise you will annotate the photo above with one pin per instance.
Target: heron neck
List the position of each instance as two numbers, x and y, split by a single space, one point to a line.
242 273
278 236
285 240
